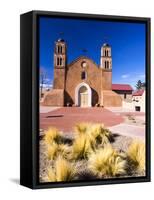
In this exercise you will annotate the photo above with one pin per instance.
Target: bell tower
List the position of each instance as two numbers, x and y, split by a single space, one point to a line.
106 66
60 61
106 58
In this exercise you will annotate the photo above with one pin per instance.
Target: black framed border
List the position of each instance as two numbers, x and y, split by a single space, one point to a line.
29 95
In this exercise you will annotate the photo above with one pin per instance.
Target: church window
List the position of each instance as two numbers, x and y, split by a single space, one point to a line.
107 53
60 61
83 75
105 64
58 49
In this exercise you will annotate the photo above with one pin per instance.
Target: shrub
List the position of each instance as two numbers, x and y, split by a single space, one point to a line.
64 150
136 154
100 134
106 162
54 150
81 128
81 147
130 117
52 135
61 171
96 133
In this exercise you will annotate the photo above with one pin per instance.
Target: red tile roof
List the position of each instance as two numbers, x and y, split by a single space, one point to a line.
125 87
138 92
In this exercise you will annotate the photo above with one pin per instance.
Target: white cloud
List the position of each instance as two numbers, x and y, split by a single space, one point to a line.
125 76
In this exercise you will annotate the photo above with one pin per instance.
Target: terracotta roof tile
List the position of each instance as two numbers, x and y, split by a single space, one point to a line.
125 87
138 92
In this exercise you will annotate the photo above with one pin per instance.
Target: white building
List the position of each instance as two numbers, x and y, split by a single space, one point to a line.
139 100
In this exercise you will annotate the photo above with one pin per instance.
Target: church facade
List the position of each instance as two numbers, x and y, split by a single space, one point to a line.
82 82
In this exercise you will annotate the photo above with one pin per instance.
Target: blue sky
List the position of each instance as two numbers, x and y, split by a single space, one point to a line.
126 39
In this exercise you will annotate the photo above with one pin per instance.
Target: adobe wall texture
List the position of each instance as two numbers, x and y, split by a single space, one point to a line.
59 78
73 78
111 99
54 98
128 95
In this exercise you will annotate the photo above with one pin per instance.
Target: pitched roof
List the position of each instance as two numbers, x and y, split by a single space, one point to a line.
125 87
138 92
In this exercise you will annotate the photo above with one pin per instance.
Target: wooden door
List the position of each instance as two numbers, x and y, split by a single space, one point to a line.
83 99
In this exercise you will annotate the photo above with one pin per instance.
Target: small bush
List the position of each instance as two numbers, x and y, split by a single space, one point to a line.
52 135
81 128
100 134
61 171
130 117
64 150
136 154
81 147
96 133
54 150
106 162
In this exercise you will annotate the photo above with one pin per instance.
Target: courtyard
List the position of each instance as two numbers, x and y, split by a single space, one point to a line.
118 120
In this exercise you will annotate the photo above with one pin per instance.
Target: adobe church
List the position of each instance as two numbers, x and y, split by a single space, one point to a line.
82 82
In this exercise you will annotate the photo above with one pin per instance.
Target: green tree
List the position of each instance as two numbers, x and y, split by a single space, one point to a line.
143 85
138 85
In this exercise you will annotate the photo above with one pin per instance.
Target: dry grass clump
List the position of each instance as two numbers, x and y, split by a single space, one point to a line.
81 147
62 170
81 128
101 135
52 135
96 133
136 154
107 162
54 150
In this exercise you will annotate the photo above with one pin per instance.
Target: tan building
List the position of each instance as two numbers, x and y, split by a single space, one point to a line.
82 82
124 90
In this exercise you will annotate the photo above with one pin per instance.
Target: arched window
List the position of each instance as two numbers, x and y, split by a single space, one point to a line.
58 49
105 64
83 75
60 61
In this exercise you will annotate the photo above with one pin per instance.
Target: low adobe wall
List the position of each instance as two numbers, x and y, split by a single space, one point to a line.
111 99
54 98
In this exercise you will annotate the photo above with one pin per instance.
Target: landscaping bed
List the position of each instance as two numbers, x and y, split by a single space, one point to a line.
90 152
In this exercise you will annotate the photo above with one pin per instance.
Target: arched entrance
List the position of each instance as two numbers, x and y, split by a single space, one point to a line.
83 95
